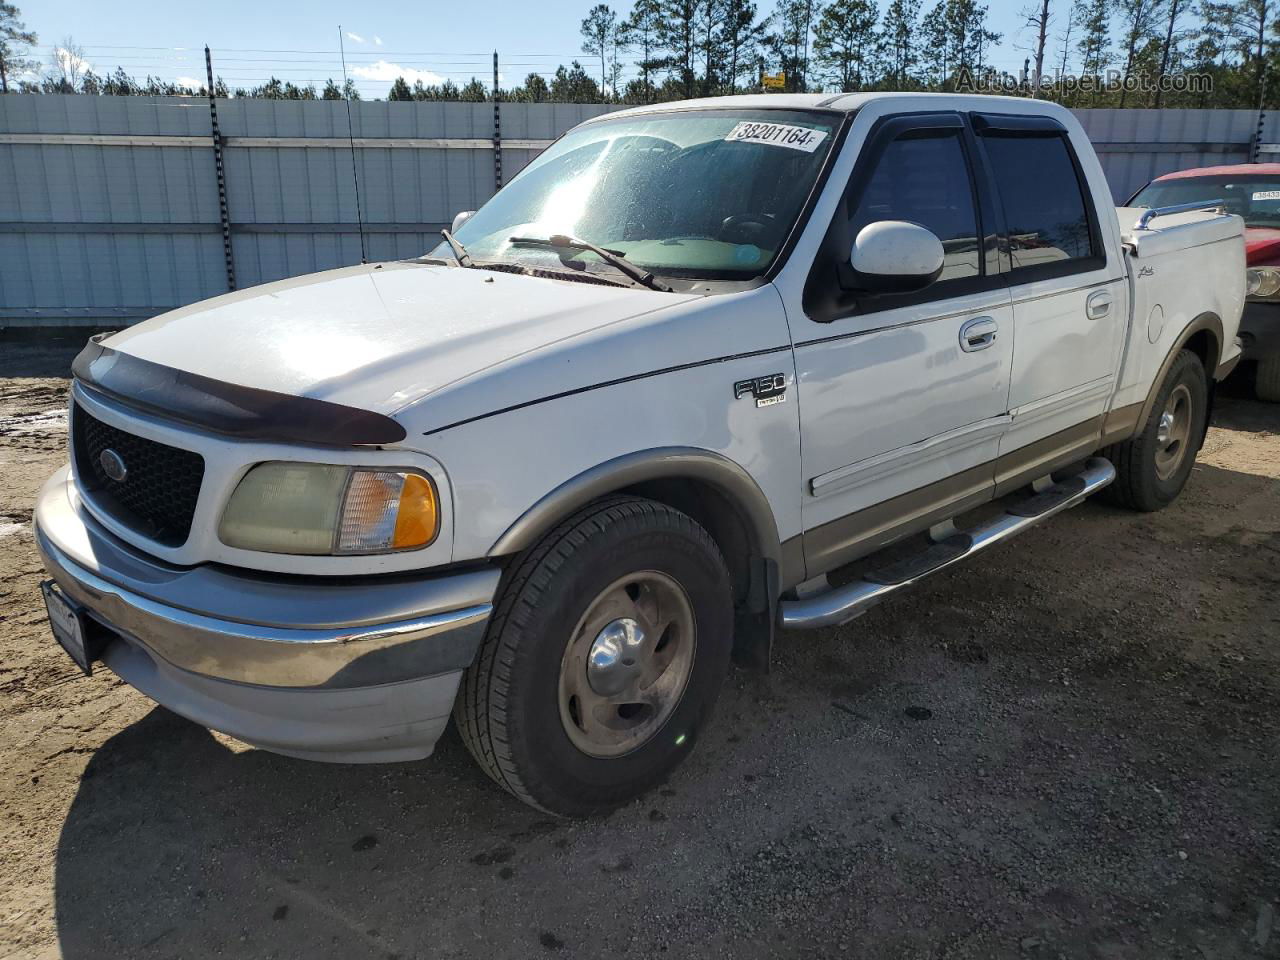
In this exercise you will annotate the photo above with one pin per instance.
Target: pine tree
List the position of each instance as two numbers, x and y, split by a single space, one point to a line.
642 32
573 85
15 43
845 41
599 29
473 91
1168 52
678 36
935 47
1094 45
400 90
1137 19
898 35
742 36
793 22
1037 18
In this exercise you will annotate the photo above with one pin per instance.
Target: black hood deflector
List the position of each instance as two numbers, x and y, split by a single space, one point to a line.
246 413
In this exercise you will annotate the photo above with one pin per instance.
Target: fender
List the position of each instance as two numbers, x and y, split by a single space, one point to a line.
1206 321
758 575
628 470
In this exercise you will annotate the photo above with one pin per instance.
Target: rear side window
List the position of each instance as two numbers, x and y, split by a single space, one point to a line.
1046 211
925 180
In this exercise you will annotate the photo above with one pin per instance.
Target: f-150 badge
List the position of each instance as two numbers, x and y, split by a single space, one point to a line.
767 390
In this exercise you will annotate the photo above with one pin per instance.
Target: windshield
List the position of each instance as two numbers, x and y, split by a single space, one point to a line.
1256 199
703 194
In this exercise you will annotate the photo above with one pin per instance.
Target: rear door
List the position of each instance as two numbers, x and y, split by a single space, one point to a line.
1070 304
903 397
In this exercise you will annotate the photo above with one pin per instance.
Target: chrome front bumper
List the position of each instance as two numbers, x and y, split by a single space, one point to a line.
327 668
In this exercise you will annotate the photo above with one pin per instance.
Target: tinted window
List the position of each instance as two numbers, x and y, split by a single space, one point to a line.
925 181
1044 207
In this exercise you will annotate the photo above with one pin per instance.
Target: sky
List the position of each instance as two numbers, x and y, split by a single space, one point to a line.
428 40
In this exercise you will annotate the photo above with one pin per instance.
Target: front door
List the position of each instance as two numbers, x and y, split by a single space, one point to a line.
903 397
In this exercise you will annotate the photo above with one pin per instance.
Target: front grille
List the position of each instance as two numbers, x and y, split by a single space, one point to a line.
157 495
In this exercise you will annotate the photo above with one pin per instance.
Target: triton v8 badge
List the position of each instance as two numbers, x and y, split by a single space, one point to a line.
767 390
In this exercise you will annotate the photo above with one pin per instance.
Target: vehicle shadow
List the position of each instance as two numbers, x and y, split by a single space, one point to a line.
1236 411
176 845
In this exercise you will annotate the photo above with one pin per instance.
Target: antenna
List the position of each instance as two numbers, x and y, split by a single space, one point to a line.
351 141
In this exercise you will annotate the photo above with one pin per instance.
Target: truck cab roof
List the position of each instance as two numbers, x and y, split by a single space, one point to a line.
851 102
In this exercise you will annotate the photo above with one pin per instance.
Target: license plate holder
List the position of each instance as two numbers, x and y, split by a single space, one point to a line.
68 624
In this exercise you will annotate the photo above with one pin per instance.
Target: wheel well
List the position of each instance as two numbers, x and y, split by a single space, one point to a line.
753 576
717 493
716 514
1205 346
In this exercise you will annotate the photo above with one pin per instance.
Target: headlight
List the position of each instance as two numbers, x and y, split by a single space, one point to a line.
319 508
1262 282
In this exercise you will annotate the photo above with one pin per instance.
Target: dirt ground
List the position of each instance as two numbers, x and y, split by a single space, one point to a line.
1065 749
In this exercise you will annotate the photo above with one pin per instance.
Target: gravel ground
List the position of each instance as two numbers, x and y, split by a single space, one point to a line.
1067 748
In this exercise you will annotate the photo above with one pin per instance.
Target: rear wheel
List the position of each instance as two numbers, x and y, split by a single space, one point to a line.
603 660
1266 384
1152 467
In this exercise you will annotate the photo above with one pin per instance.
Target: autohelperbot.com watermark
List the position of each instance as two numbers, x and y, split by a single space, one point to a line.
1108 81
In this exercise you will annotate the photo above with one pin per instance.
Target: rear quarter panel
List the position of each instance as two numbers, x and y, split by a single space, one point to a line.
1172 286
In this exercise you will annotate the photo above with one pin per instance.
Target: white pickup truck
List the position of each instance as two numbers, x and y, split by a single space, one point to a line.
550 477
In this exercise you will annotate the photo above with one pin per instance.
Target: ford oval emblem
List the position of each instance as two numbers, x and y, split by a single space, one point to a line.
113 465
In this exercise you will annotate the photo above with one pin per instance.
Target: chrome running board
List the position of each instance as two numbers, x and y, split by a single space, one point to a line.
842 604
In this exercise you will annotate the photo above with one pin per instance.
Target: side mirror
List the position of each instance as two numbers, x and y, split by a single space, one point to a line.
460 219
893 256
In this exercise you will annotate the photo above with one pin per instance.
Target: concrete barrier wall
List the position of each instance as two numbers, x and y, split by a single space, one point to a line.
110 211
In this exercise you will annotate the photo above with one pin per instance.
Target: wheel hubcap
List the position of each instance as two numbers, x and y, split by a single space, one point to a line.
1173 433
626 664
612 664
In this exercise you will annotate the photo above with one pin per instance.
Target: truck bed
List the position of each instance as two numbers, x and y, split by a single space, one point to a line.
1176 231
1180 267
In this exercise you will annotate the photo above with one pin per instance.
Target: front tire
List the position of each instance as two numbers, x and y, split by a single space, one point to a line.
603 659
1266 383
1152 467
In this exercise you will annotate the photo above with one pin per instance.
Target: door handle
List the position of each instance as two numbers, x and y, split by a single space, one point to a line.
978 334
1098 305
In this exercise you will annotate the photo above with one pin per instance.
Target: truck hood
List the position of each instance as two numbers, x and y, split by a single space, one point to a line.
380 336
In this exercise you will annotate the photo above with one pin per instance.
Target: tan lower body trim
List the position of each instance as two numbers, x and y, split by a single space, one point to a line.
792 562
1225 369
1041 457
1121 424
844 540
858 534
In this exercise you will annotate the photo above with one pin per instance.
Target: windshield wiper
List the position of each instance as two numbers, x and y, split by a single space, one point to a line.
459 251
614 258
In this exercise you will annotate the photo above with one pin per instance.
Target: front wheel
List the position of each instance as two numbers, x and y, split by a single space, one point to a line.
1152 467
603 659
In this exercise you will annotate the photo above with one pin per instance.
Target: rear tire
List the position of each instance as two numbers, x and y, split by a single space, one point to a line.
1266 384
603 659
1153 465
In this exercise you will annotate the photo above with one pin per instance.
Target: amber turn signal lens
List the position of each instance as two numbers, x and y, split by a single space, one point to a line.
417 519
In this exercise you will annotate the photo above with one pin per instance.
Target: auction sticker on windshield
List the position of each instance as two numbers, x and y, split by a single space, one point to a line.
777 135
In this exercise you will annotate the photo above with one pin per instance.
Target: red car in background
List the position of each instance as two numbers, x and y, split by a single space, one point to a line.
1252 191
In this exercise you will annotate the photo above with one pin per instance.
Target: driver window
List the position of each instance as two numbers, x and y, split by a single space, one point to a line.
925 180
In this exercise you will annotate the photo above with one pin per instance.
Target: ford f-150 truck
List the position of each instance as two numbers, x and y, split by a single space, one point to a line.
702 371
